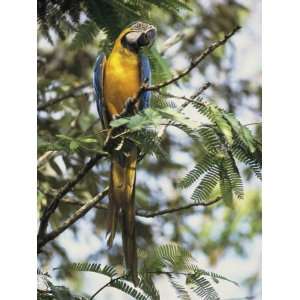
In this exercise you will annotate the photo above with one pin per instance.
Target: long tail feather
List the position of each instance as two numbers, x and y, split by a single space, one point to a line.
121 196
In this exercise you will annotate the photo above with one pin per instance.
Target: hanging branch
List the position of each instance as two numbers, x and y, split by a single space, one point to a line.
194 63
184 105
51 207
71 94
174 79
71 220
95 202
145 214
176 209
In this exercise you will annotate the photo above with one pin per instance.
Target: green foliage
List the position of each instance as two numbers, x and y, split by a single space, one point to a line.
94 267
223 141
86 33
116 281
181 291
203 288
101 13
149 143
170 260
123 286
176 262
55 292
72 145
153 117
160 68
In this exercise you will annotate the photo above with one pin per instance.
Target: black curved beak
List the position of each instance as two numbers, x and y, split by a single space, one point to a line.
147 38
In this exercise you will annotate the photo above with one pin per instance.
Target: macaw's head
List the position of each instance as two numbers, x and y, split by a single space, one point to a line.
137 35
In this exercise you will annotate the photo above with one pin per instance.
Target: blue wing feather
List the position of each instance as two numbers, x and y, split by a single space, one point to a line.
145 70
98 88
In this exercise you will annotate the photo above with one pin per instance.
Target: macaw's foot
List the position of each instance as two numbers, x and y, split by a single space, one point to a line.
107 141
116 116
114 140
129 108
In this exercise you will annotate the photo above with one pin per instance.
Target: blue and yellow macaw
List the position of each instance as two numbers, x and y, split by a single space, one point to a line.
116 80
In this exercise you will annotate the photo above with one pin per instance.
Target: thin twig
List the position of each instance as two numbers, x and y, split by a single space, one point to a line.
72 219
251 124
243 298
45 158
193 63
145 214
176 209
174 79
81 203
122 276
71 94
168 95
184 105
106 285
51 207
185 34
169 273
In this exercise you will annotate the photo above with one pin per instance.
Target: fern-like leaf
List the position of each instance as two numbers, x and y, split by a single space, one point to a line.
181 291
206 185
214 276
147 285
203 288
202 166
86 33
253 160
94 267
129 290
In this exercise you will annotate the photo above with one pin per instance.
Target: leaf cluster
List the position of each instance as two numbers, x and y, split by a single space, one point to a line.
224 142
170 260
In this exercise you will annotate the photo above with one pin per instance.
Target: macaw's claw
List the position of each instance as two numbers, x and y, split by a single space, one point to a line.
129 108
107 142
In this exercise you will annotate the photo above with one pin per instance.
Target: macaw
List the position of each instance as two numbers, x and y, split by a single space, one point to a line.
116 80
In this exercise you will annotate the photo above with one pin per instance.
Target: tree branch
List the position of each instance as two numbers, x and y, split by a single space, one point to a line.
72 219
181 74
72 93
176 209
45 158
145 214
51 207
184 105
106 285
193 63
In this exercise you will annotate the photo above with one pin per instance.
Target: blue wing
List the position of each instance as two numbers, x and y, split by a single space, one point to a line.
145 71
98 88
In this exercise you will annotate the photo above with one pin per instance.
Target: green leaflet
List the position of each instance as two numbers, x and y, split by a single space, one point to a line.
153 117
86 33
93 267
203 288
74 145
222 124
176 116
180 289
225 141
242 131
206 185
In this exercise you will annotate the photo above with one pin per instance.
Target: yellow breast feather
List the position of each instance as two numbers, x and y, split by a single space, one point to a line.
121 78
